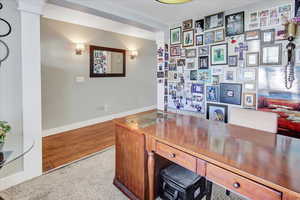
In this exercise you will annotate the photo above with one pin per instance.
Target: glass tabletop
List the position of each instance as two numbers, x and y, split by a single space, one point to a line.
8 154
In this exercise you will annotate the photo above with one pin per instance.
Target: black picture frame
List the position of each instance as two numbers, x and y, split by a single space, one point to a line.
201 36
200 58
96 75
227 17
225 56
208 21
235 64
223 107
231 93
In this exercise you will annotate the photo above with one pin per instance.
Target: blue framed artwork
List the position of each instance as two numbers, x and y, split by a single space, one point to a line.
212 93
197 88
231 93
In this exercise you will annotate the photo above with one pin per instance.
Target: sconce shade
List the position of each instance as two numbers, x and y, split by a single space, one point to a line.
173 1
134 54
79 48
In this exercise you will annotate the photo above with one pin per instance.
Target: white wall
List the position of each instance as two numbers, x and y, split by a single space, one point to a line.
11 85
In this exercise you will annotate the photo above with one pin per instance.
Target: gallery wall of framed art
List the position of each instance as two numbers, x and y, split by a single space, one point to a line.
221 54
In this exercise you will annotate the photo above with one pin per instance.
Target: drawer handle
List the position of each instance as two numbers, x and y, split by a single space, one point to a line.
173 155
236 185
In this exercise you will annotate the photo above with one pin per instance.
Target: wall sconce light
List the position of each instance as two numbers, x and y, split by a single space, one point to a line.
79 49
133 54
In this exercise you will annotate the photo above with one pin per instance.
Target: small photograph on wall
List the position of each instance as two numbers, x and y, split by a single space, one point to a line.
209 37
252 59
252 35
235 24
216 112
271 54
297 8
193 75
180 62
188 24
175 36
199 26
188 38
199 40
231 93
233 61
175 50
203 51
249 100
190 53
219 54
197 88
204 76
214 21
230 75
203 62
190 64
219 35
249 74
254 22
215 79
212 93
267 36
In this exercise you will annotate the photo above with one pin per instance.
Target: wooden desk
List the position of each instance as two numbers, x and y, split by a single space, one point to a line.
256 164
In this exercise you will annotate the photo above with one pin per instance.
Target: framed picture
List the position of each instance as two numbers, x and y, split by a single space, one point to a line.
235 24
271 54
252 59
249 100
182 53
297 56
209 37
175 36
249 74
219 54
216 112
203 51
204 76
190 64
160 74
175 50
231 93
197 88
233 61
188 24
193 75
203 62
199 40
250 86
230 75
297 8
267 36
219 35
188 38
214 21
212 93
281 33
180 62
252 35
172 67
190 53
173 76
199 26
215 79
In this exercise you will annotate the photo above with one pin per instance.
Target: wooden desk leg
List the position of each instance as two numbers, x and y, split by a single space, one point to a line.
151 172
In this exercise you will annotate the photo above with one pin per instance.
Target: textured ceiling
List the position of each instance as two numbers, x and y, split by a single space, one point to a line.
169 14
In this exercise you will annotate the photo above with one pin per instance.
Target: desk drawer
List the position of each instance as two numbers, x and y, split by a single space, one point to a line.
176 156
240 184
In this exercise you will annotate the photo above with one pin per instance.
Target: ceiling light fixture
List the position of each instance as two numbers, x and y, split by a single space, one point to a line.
173 1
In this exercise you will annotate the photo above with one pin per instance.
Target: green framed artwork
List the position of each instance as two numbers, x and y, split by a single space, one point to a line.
175 36
219 54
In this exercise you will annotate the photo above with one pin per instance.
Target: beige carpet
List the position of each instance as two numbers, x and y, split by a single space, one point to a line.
88 179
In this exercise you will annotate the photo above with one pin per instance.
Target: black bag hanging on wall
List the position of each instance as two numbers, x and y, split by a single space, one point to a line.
6 33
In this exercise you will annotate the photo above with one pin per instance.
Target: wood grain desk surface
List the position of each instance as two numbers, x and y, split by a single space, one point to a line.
270 159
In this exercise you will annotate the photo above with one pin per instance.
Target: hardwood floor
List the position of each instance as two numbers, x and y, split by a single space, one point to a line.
72 145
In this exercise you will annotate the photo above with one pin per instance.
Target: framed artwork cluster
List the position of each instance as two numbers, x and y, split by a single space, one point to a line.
215 61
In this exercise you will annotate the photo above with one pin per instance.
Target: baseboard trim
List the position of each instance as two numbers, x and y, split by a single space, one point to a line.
90 122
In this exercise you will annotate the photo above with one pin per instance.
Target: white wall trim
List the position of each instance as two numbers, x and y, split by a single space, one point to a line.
90 122
84 19
32 6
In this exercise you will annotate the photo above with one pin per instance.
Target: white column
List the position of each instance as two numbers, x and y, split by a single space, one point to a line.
30 12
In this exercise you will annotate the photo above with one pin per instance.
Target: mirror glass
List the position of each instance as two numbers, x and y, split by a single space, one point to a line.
107 62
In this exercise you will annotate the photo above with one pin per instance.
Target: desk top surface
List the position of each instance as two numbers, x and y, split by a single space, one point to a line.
270 158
